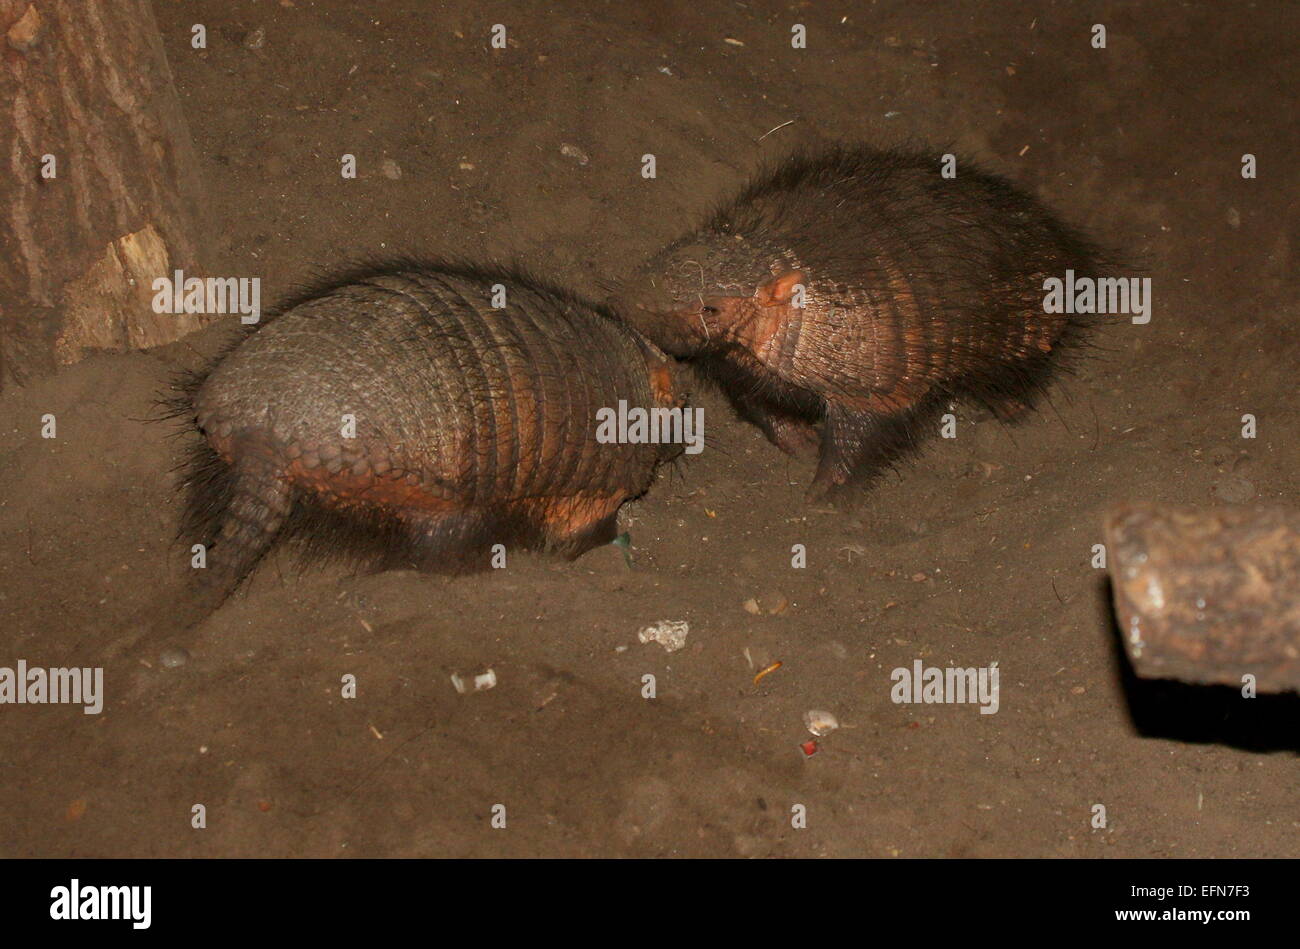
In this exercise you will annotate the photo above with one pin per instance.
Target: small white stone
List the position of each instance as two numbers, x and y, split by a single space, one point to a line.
820 722
174 657
574 152
671 634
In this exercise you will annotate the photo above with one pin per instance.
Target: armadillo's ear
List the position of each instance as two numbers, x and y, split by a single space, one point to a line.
779 290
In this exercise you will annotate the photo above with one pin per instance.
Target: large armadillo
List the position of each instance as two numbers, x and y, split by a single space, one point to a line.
916 289
400 409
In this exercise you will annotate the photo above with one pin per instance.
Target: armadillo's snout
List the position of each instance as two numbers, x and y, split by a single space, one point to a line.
660 326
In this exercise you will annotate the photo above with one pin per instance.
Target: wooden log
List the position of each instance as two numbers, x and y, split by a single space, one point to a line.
1208 596
99 189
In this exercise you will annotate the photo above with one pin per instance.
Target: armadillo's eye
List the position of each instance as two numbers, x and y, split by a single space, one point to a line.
711 310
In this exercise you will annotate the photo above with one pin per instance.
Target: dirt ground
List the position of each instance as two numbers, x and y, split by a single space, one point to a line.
977 552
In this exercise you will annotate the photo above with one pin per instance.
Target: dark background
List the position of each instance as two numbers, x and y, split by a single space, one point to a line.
977 552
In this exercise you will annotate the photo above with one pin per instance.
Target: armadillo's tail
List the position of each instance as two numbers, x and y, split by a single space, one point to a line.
234 513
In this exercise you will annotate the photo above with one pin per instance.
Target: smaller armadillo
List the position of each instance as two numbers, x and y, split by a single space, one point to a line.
397 412
915 289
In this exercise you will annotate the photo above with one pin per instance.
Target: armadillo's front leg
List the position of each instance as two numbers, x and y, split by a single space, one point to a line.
844 443
787 432
858 446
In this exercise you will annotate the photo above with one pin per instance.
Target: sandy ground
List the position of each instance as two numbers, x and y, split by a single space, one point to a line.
977 552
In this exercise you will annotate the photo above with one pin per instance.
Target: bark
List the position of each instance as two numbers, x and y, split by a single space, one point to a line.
87 82
1208 596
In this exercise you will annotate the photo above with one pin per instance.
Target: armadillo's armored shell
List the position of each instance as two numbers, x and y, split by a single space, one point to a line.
469 403
913 289
406 399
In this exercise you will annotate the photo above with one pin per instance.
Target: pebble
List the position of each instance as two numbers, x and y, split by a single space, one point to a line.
480 683
773 604
820 722
574 152
173 657
671 634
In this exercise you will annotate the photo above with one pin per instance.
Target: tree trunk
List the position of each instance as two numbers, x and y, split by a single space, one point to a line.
99 191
